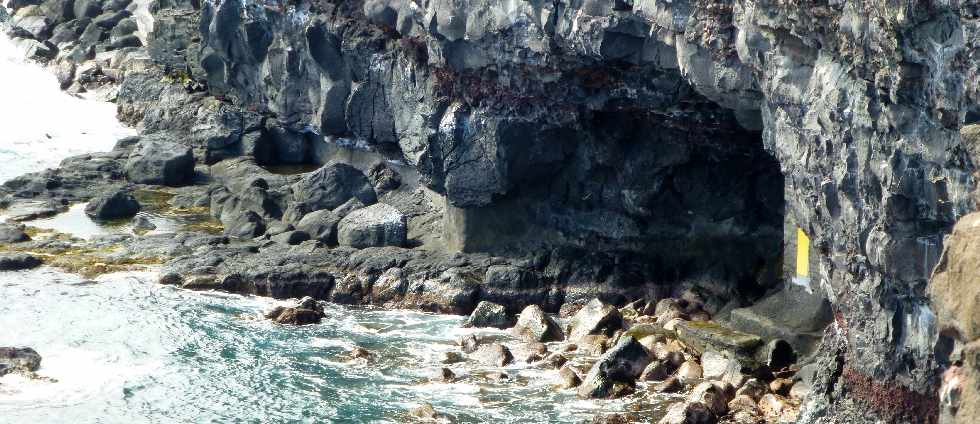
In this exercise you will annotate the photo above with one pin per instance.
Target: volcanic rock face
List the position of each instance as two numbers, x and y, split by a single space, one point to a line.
639 144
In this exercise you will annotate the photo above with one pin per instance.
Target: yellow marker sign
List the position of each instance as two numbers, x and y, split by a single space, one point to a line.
802 255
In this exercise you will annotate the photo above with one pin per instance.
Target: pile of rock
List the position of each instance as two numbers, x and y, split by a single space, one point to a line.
306 311
727 376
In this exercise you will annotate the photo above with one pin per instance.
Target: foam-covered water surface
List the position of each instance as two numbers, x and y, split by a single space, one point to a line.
122 348
42 124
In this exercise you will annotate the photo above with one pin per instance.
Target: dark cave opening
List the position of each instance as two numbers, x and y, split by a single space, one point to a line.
672 199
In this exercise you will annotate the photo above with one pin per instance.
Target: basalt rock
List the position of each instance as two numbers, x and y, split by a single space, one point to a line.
621 147
22 359
115 204
18 261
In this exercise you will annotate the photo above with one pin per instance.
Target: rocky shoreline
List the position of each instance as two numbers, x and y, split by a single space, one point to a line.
459 156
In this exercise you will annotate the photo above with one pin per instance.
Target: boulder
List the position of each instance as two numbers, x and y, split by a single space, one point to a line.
688 413
753 388
374 226
495 354
622 364
320 225
488 314
452 357
245 225
705 335
13 234
534 325
332 186
660 369
307 311
160 163
18 261
18 359
711 395
670 385
689 372
115 204
443 375
595 318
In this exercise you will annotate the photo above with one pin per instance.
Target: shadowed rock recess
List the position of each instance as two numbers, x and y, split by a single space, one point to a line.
548 153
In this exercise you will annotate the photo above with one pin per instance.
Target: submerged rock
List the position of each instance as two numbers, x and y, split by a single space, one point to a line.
495 354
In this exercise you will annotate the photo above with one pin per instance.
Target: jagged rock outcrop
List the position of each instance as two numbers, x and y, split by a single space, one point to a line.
643 145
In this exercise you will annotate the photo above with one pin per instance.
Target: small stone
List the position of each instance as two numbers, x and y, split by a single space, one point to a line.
360 353
468 343
772 405
753 388
712 396
658 371
443 375
689 372
452 358
781 386
495 355
688 413
568 378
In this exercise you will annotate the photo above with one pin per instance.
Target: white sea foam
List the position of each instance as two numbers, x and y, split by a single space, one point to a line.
42 124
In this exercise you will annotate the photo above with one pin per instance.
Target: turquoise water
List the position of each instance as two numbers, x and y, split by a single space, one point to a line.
125 350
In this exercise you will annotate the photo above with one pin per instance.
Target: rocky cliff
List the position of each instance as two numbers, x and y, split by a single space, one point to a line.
660 142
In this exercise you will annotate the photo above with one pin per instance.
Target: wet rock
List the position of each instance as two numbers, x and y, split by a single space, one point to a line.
621 365
160 163
452 358
595 318
320 225
116 204
534 325
688 413
773 405
443 375
488 314
662 369
711 395
497 376
331 186
495 354
18 261
568 378
426 412
374 226
469 343
554 360
10 233
670 385
781 386
753 388
306 311
689 372
18 359
360 353
143 224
